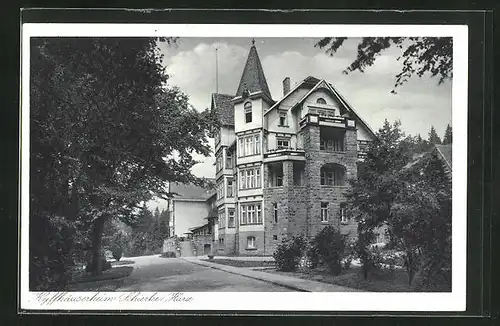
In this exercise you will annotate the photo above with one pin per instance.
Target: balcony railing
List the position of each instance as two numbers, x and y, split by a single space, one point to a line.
284 151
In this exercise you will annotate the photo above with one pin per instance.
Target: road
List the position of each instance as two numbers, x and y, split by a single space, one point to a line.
153 273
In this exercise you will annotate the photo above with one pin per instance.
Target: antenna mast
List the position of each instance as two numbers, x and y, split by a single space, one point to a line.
216 71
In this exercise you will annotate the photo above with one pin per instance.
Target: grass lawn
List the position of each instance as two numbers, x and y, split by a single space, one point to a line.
109 280
241 263
382 281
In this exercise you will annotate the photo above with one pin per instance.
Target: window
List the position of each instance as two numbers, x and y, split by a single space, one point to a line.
332 175
276 175
275 209
218 163
324 212
331 140
222 219
298 173
250 214
321 101
283 143
283 119
343 216
221 243
257 144
229 160
220 189
248 112
249 145
251 243
241 147
230 223
229 187
275 237
250 178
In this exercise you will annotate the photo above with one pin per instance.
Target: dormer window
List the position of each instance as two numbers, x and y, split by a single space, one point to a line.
248 112
321 101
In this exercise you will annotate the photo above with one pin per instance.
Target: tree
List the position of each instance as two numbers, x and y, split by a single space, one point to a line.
107 132
420 55
372 195
433 137
448 134
411 196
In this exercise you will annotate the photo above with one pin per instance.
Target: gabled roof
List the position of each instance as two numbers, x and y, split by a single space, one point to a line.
224 108
308 81
315 83
358 117
444 152
253 78
189 191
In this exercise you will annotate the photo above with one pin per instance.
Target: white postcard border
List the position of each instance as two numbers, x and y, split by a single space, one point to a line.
277 301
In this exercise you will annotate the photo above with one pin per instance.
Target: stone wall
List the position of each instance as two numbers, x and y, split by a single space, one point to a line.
259 244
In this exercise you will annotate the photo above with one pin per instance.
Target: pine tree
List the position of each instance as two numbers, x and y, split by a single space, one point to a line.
433 137
448 134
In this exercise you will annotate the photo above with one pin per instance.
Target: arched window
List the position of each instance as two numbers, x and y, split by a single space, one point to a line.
321 101
332 175
248 112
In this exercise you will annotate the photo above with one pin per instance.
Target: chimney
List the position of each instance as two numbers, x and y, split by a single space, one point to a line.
286 86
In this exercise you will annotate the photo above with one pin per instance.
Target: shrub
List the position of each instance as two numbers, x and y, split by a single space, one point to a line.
117 252
289 253
313 255
52 252
168 254
330 246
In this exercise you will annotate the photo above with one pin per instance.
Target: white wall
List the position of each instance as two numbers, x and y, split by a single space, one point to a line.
363 134
323 93
227 135
257 110
189 214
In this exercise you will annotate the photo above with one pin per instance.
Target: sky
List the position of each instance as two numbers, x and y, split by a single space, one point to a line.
419 104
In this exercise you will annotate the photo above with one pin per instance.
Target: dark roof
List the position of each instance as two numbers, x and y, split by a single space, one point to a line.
224 108
444 152
311 81
253 78
189 191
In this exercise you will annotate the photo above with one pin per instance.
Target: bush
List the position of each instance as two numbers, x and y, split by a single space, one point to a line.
117 253
329 244
52 252
168 254
289 253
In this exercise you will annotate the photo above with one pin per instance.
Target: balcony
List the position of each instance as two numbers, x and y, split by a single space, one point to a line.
362 148
329 120
280 153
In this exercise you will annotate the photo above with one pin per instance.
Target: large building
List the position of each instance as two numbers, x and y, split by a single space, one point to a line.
282 165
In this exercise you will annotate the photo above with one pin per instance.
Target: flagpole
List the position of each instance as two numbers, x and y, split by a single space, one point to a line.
216 71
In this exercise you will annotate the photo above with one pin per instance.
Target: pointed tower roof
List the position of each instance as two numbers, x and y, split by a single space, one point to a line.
253 78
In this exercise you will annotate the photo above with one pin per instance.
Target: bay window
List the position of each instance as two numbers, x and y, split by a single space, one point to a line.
249 145
250 178
250 214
